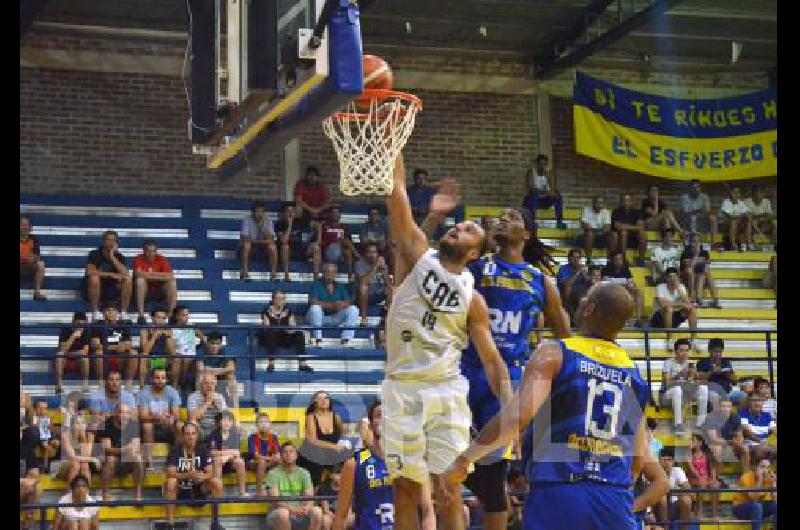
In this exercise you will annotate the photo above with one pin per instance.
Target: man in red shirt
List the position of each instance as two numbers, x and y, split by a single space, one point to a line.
154 279
337 242
311 195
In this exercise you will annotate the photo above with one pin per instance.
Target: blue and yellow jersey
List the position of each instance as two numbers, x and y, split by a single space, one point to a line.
515 294
587 428
372 493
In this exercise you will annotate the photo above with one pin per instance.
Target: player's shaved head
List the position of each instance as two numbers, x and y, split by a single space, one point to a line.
605 310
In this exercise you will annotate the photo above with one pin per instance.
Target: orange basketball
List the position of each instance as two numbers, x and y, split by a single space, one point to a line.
377 73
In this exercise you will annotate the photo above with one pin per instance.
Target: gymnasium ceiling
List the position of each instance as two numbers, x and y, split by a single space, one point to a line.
692 35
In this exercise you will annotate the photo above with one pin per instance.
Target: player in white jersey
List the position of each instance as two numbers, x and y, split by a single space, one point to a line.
434 312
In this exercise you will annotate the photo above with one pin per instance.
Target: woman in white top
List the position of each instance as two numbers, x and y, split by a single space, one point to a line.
737 215
77 517
761 212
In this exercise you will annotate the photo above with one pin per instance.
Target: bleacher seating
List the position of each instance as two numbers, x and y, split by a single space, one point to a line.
199 236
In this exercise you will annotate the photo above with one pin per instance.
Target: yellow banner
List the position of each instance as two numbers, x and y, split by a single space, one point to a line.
707 159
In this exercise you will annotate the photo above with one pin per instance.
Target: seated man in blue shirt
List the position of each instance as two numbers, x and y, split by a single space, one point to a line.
757 425
330 305
420 195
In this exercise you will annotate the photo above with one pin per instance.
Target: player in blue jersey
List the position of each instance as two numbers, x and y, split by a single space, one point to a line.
581 402
366 484
517 293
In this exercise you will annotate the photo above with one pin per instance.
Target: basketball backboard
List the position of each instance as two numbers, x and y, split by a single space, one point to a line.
273 77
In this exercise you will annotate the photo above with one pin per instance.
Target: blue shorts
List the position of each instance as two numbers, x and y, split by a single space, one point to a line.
482 401
582 505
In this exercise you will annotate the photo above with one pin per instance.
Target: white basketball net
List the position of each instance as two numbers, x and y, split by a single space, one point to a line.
367 142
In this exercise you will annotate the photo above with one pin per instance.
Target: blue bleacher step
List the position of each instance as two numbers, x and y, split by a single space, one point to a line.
65 317
367 378
184 295
98 211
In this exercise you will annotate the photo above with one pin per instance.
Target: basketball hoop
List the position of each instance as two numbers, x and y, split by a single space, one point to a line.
367 137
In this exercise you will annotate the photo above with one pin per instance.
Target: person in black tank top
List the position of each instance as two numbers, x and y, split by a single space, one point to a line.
277 314
321 451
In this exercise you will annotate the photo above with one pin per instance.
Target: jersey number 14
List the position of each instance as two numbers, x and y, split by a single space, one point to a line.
428 320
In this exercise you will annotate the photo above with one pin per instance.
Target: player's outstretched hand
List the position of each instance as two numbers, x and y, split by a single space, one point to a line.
446 199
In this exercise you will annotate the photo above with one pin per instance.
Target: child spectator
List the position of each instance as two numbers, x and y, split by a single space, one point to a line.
277 314
723 429
223 446
702 472
31 263
664 256
330 486
77 517
257 239
185 346
680 506
154 279
263 451
757 506
299 239
596 224
156 343
655 444
764 389
49 436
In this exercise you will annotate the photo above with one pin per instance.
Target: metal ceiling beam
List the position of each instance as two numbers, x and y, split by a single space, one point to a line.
28 9
555 62
686 36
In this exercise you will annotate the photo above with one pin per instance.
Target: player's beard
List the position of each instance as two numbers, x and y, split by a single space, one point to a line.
451 252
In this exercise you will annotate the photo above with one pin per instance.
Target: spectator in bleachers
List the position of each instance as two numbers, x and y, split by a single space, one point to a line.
758 425
111 341
224 448
159 413
771 279
289 479
28 445
580 287
337 244
541 192
324 430
156 343
331 486
154 279
420 195
376 230
696 272
757 506
680 506
680 382
716 370
655 444
764 389
73 350
656 215
77 451
105 403
107 277
185 346
628 225
299 238
205 404
263 451
49 436
663 257
215 362
735 214
695 213
190 471
672 305
277 314
330 305
31 263
618 271
702 473
30 492
568 273
723 429
311 195
122 450
764 220
77 517
257 240
372 280
596 223
25 402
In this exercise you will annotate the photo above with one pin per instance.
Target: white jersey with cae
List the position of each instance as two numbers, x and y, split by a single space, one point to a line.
427 323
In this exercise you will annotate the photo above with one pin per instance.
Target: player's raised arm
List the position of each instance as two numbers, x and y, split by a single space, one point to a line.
345 495
543 367
555 316
410 240
481 335
644 461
